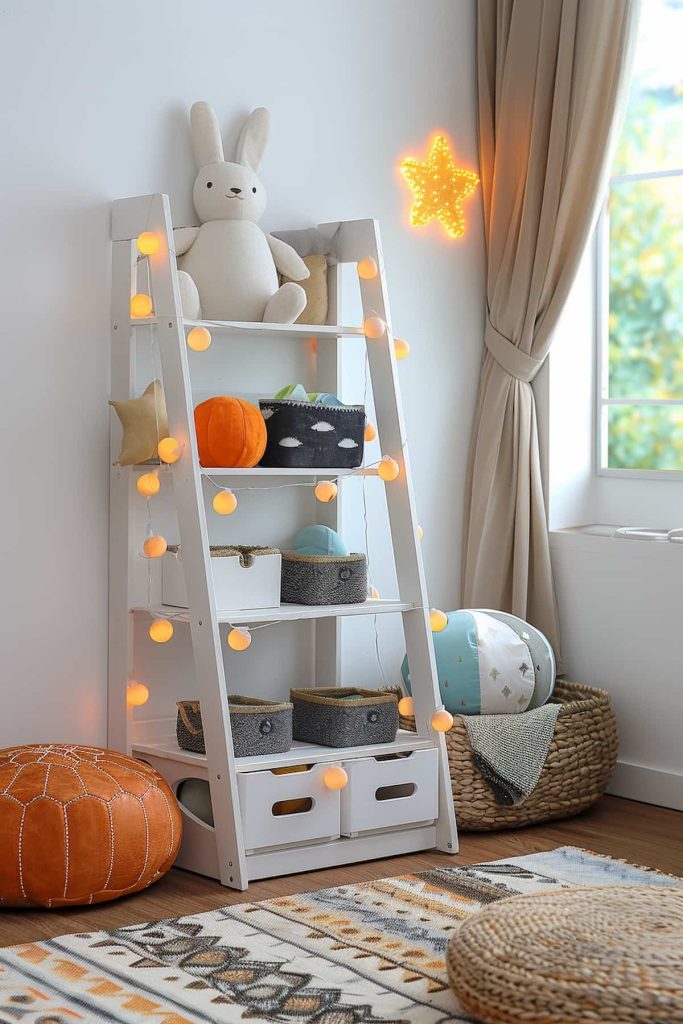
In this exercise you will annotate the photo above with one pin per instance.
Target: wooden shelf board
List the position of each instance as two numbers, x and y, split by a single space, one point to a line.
269 471
286 612
300 331
301 753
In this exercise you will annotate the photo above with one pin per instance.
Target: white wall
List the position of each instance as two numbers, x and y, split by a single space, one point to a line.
95 100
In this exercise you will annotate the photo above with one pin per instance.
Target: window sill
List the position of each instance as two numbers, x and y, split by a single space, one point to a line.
602 538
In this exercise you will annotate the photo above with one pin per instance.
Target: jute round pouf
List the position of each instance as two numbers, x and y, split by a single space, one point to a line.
612 954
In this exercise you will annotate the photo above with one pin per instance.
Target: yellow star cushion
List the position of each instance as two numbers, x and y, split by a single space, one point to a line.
144 423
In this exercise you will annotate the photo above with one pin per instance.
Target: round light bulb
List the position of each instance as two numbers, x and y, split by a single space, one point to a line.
442 720
148 484
141 305
199 339
148 243
335 777
420 532
239 638
169 450
225 502
326 490
370 431
366 268
160 631
406 707
388 469
373 327
155 546
401 348
438 620
137 694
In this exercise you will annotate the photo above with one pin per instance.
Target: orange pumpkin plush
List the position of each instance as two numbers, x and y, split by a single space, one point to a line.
230 432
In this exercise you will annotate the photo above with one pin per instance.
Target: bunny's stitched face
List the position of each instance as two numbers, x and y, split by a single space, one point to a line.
225 191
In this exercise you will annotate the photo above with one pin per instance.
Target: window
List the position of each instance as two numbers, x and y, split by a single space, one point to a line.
640 264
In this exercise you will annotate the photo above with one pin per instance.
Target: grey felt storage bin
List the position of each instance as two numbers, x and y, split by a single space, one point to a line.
344 716
324 579
304 435
257 726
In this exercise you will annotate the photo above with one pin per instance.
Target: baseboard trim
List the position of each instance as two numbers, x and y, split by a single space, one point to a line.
650 785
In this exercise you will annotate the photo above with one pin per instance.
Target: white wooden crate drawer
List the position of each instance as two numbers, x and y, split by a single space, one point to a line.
247 580
269 820
388 793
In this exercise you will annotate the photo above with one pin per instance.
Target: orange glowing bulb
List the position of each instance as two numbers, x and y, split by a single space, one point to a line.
335 777
137 694
160 631
148 243
370 431
326 490
401 348
239 638
442 720
149 484
438 620
388 469
199 339
406 707
366 268
141 305
374 327
169 450
420 532
155 546
225 502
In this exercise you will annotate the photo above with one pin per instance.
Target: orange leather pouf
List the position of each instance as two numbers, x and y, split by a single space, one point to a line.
81 825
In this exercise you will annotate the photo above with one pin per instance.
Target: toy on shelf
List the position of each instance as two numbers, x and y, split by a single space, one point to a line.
144 424
258 726
312 430
319 540
228 267
230 432
490 663
344 716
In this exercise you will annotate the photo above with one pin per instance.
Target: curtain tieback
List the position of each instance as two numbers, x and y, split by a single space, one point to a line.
515 362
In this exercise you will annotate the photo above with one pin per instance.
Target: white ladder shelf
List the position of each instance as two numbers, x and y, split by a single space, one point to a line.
220 850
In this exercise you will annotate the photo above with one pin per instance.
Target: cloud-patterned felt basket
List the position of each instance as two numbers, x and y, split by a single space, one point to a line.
303 435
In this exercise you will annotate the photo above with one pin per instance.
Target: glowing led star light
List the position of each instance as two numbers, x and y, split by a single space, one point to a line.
137 694
326 490
439 187
239 638
406 707
225 502
141 305
148 243
160 631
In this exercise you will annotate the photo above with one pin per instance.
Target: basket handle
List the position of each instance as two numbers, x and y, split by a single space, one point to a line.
182 711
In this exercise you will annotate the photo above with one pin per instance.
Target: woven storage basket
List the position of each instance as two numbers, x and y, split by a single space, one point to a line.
257 726
344 716
304 435
324 579
579 765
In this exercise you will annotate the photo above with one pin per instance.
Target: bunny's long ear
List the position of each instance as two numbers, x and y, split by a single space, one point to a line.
206 136
254 138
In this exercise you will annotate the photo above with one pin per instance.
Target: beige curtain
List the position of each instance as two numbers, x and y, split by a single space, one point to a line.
553 82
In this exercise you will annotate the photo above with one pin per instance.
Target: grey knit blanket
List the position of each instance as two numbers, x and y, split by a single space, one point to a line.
510 750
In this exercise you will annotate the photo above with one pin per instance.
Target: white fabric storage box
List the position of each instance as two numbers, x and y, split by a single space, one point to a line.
263 794
243 577
386 793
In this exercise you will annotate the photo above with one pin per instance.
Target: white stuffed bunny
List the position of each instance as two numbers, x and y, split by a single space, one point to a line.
228 266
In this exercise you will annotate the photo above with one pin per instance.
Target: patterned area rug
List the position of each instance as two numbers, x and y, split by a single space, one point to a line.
357 954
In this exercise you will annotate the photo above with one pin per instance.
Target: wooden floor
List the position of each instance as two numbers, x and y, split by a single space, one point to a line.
631 831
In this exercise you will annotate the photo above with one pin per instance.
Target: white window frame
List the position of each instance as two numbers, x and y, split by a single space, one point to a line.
603 401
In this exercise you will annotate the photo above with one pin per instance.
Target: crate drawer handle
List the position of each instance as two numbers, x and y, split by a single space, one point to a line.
399 791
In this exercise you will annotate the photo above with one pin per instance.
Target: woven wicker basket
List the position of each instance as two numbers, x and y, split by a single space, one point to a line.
580 762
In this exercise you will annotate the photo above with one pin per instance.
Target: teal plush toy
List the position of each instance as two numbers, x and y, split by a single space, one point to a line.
490 663
319 540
